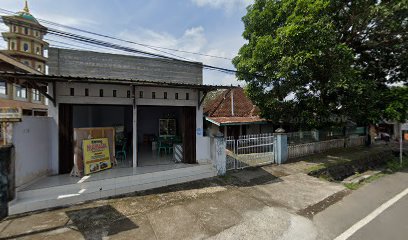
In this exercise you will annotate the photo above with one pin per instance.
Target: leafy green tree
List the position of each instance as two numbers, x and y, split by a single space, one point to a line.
307 61
397 104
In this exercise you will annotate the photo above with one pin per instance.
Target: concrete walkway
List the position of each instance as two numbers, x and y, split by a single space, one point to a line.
259 203
272 202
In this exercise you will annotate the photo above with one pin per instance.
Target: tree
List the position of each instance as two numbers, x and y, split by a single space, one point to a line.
397 104
309 61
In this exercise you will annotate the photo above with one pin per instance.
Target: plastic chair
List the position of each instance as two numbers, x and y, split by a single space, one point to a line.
170 144
122 152
161 146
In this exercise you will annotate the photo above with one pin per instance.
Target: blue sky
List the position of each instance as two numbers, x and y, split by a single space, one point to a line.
207 26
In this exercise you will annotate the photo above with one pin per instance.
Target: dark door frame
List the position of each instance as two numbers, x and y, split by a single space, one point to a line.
66 138
66 134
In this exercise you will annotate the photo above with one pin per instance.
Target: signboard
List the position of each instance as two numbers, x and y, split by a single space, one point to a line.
10 114
404 127
96 155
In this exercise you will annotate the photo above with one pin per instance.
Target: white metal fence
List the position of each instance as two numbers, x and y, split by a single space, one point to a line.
249 151
302 150
230 153
256 136
255 150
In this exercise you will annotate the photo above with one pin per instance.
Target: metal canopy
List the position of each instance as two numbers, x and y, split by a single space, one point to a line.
40 82
45 79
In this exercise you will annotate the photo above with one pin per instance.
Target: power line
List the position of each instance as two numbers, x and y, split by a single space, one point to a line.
80 38
156 48
77 46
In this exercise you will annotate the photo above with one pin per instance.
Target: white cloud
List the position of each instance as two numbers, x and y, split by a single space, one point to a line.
65 20
192 40
228 5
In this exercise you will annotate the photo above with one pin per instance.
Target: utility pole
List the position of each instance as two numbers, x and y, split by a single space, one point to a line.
401 132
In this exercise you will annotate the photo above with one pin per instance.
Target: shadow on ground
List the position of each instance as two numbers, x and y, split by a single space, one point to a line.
99 222
243 178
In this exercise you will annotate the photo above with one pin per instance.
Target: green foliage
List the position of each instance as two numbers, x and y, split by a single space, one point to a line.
396 166
397 104
355 186
310 60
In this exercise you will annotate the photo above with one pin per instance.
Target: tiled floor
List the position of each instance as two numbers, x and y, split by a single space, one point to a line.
149 157
148 162
66 179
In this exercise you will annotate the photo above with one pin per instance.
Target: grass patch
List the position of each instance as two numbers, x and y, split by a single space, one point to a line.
328 164
355 186
352 186
395 165
315 168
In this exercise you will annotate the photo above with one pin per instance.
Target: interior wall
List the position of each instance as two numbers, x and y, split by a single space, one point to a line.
148 119
90 116
100 116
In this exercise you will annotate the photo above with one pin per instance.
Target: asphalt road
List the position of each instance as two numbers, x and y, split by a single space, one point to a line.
391 224
369 213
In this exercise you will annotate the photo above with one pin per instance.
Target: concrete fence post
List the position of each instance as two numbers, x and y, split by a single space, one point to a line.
315 134
218 154
281 146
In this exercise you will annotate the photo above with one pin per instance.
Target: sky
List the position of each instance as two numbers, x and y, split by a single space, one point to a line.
212 27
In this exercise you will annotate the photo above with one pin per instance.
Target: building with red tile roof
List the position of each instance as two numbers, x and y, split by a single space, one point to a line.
233 114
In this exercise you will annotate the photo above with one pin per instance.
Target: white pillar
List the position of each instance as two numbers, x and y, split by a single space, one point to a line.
218 154
134 136
280 147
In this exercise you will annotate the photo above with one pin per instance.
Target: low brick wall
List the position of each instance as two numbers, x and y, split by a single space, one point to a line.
6 179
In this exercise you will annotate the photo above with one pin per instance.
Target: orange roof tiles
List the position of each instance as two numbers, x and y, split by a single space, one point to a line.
233 106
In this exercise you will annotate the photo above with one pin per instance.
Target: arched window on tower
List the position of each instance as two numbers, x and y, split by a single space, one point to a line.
13 46
37 50
26 31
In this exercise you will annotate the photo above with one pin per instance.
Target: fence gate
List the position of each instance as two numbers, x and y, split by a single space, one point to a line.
250 151
230 150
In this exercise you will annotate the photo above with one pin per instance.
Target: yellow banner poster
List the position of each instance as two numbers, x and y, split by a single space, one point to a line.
96 155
